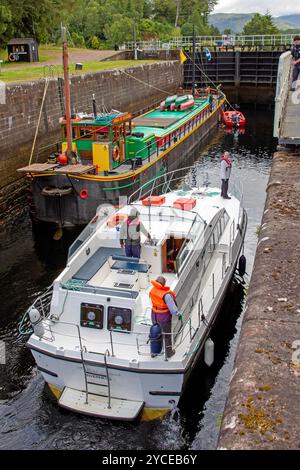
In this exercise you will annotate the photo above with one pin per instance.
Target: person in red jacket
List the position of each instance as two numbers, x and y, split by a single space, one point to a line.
163 307
226 165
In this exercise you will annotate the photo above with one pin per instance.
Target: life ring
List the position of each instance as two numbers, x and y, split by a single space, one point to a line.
83 194
12 57
116 219
116 153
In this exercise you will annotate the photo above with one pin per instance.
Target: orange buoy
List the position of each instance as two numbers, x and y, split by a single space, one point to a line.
62 159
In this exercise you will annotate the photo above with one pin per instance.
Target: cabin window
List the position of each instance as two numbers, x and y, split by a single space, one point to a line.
74 132
91 316
119 319
102 136
86 133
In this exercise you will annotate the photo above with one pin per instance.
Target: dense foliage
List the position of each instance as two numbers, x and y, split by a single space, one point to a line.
261 24
101 23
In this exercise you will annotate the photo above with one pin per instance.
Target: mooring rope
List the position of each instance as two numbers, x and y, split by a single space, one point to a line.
39 120
167 93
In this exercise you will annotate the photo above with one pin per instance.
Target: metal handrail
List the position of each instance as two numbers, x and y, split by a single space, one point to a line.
219 40
169 177
137 334
81 348
43 301
107 353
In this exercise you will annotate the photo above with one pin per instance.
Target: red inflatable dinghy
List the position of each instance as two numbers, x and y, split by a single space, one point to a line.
233 119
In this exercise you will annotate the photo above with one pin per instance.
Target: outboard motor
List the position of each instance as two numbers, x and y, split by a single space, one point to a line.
156 339
35 320
242 266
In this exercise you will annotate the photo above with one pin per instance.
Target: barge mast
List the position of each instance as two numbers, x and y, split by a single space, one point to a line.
67 93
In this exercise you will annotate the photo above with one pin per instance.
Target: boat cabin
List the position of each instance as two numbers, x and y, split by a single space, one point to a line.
100 141
110 140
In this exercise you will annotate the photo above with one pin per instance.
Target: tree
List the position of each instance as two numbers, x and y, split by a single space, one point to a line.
165 11
260 24
227 31
78 40
95 43
110 20
203 7
178 5
214 31
120 30
187 29
5 18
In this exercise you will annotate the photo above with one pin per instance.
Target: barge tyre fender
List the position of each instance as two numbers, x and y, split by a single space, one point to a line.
51 191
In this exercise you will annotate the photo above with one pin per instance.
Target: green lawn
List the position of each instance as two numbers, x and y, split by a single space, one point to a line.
35 73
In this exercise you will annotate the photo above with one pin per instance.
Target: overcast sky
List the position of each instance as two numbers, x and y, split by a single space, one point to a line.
276 7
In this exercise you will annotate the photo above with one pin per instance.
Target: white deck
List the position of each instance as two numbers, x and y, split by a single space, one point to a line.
75 400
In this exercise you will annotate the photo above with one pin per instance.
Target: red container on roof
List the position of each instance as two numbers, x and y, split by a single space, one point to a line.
185 203
154 201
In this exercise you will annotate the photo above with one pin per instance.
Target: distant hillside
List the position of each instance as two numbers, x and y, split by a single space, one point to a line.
236 22
291 19
233 21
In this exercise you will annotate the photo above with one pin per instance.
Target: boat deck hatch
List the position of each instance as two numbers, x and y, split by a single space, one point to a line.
156 122
131 272
122 285
139 267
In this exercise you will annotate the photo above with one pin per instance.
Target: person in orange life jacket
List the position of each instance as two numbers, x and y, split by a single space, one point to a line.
226 165
130 234
163 307
296 62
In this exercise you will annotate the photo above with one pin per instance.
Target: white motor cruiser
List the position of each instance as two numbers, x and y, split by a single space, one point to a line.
90 335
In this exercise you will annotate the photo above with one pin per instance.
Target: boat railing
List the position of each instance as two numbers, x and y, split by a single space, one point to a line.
184 179
47 150
176 135
42 302
236 40
186 330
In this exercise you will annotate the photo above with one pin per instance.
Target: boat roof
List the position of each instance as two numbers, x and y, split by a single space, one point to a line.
102 119
157 122
166 219
153 122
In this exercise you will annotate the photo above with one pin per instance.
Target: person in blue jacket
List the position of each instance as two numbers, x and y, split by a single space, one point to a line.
296 61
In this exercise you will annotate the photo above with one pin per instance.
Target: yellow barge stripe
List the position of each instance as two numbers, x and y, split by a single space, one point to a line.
132 174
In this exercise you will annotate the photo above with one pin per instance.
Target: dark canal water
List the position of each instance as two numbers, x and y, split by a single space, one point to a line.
29 261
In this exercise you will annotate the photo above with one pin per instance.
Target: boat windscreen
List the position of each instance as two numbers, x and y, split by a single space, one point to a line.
87 232
195 233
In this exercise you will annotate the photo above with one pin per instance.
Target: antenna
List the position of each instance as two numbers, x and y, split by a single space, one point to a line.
194 62
94 106
67 91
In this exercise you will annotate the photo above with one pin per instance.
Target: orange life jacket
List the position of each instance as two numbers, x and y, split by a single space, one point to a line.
157 294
